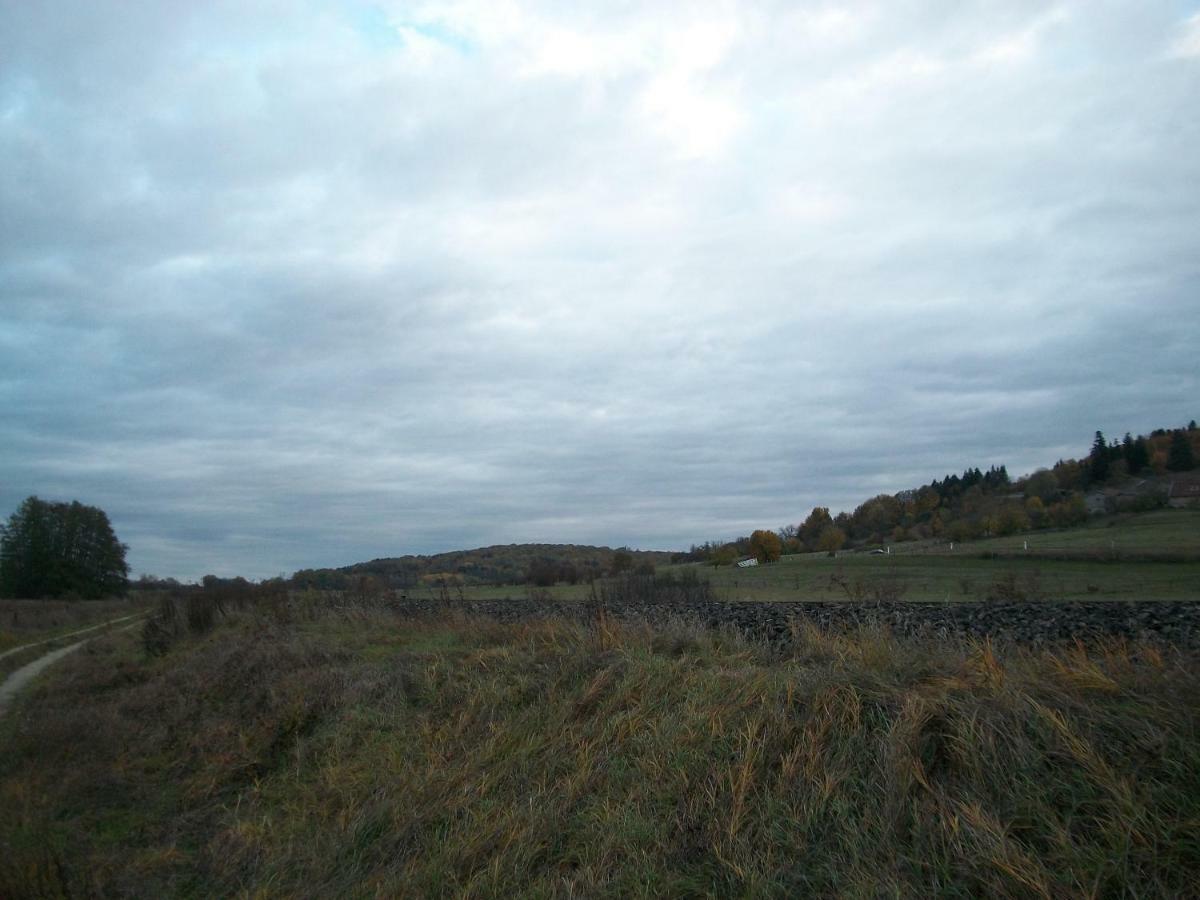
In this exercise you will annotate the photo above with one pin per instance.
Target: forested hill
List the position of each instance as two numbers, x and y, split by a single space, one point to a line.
1132 474
501 564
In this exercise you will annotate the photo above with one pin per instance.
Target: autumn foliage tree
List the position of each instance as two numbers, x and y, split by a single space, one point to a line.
818 520
1043 485
831 540
723 556
980 503
766 546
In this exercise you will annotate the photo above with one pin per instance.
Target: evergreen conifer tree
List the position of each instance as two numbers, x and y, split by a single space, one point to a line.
1180 457
1098 459
1139 456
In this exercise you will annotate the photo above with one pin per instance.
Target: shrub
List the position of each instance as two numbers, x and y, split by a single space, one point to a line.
635 588
1010 587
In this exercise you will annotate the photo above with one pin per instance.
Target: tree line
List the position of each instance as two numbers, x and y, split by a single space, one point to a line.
515 564
1176 450
975 504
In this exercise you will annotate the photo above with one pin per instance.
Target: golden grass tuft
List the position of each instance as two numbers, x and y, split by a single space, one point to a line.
353 753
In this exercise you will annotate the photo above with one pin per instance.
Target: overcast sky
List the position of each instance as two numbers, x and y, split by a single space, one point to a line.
289 284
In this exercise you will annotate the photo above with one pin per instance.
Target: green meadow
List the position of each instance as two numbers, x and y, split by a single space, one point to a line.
1147 556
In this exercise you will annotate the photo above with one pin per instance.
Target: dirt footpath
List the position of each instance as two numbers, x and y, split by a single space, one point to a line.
11 650
22 676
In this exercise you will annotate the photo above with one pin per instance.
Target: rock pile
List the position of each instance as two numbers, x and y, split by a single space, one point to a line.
1044 622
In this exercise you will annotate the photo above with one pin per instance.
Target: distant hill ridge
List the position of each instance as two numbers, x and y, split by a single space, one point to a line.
496 564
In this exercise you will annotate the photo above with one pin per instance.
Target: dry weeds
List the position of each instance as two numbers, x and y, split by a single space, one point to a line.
292 750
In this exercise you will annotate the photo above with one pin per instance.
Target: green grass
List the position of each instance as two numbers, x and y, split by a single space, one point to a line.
1102 560
1167 531
926 577
563 592
294 752
936 578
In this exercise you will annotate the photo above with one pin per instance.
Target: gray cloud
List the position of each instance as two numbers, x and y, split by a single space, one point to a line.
285 286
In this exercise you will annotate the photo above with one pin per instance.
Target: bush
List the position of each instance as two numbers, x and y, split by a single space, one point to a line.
1146 502
1010 587
634 588
888 587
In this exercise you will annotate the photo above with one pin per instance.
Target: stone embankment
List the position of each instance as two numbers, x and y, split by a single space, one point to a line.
1044 622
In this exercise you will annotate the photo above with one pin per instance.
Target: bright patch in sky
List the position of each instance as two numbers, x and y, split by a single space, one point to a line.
1187 45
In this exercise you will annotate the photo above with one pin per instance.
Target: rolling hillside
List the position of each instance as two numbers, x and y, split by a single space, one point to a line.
497 565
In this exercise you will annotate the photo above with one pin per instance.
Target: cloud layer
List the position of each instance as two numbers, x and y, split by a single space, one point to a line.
302 284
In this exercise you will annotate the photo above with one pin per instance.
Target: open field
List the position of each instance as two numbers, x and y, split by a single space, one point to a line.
293 752
924 577
1100 561
1174 532
1107 559
954 578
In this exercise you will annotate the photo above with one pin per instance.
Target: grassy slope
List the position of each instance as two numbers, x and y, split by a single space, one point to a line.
1162 531
364 755
930 571
963 577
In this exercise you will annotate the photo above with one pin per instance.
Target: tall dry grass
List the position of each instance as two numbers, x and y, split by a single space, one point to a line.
301 751
22 621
